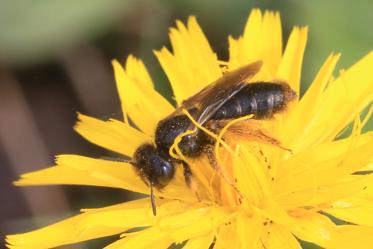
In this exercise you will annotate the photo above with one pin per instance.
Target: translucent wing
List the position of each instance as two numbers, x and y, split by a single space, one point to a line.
250 130
206 102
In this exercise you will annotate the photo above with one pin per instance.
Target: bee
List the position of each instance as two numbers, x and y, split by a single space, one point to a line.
229 97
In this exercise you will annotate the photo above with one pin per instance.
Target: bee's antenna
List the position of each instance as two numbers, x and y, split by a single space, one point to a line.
117 159
152 199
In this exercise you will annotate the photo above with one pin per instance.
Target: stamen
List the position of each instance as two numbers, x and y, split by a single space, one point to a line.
175 146
223 131
218 156
208 132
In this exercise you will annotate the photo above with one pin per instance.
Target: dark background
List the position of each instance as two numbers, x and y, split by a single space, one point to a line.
55 60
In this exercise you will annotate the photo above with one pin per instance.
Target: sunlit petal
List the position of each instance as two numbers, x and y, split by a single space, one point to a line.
354 209
79 170
353 88
138 96
291 64
193 64
76 229
113 135
191 224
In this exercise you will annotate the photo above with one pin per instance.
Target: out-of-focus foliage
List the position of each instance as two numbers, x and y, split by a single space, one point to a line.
31 30
335 26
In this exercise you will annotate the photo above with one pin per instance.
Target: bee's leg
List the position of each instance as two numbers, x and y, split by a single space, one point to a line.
116 159
152 200
260 135
209 149
189 180
187 174
250 130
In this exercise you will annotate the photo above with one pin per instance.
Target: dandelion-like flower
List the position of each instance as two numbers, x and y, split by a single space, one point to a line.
320 192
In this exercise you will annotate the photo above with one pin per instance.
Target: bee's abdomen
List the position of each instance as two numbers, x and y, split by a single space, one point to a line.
262 99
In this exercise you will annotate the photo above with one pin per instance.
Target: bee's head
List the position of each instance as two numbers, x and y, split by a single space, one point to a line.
155 168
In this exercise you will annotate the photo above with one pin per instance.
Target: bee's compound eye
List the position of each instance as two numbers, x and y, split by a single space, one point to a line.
166 172
162 170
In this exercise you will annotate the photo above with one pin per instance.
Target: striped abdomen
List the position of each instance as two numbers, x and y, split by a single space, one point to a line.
262 99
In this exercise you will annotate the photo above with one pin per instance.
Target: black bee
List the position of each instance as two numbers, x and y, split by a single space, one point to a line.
228 97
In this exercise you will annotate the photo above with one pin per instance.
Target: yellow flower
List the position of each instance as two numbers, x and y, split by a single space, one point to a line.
286 196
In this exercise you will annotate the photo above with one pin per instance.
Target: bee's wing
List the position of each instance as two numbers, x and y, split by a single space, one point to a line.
207 101
249 130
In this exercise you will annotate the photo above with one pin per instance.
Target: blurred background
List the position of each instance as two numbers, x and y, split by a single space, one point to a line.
55 60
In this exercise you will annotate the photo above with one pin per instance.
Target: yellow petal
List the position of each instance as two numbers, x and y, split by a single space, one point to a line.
279 237
136 70
355 236
252 46
249 225
193 223
324 194
138 98
354 209
193 64
291 64
342 101
227 237
252 180
148 238
273 211
262 40
272 41
201 242
318 229
125 214
112 135
174 74
246 182
95 223
303 160
326 169
367 193
236 57
296 125
79 170
74 229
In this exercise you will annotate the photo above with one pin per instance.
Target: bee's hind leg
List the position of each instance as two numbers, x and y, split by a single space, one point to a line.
209 149
188 176
262 136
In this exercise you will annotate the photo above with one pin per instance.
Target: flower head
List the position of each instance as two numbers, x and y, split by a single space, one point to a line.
265 195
